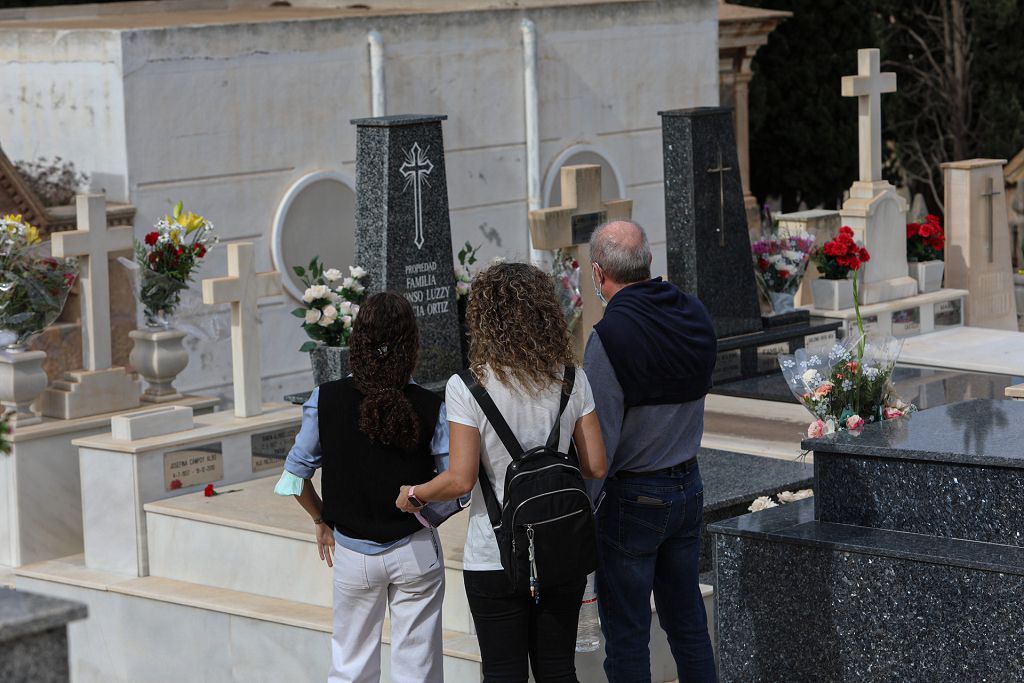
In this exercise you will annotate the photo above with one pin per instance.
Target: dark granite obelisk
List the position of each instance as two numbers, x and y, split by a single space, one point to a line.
705 220
403 234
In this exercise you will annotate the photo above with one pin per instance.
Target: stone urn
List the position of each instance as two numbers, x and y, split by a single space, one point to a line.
329 363
832 295
22 380
928 274
159 357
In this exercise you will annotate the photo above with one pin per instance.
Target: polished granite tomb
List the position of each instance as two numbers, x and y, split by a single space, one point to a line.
908 564
33 636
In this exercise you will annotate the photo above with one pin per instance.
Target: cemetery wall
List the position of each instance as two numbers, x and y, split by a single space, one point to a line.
228 117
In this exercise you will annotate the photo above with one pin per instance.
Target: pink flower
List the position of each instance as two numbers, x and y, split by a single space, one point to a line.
822 390
816 430
892 413
855 423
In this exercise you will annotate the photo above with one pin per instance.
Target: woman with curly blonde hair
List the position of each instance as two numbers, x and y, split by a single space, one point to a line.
520 346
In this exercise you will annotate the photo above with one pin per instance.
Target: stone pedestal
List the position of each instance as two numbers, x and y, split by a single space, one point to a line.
22 379
159 357
82 393
908 563
977 242
34 636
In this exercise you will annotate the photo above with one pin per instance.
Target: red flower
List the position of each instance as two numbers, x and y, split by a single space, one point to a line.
852 365
200 251
762 264
175 484
846 231
784 274
575 264
863 255
179 251
834 248
208 491
913 229
151 238
937 242
154 257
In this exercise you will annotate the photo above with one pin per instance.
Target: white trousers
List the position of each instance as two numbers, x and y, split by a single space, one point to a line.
409 580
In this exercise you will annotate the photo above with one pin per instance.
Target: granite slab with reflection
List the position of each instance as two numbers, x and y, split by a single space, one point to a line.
33 636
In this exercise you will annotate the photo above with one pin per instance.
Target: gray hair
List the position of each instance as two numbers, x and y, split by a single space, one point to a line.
623 252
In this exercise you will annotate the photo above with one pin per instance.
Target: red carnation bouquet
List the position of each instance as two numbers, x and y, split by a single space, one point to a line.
838 257
925 241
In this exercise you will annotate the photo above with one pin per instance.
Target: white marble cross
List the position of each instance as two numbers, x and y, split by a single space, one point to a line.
242 288
867 86
92 243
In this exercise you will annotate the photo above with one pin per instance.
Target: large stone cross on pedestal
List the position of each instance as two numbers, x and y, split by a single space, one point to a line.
242 288
570 226
98 388
867 86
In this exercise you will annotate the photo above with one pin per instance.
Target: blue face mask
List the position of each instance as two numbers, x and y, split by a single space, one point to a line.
597 287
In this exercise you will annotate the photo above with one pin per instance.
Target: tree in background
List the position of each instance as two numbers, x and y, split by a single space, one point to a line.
959 65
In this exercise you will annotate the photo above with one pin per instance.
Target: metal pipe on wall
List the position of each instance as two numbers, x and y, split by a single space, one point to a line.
531 105
378 95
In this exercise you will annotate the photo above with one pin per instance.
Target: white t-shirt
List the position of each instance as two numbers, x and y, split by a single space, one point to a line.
530 418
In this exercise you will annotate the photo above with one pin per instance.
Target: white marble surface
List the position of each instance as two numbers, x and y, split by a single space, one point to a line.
1016 391
141 424
968 348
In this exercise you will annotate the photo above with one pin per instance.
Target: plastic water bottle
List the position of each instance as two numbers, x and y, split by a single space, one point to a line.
589 631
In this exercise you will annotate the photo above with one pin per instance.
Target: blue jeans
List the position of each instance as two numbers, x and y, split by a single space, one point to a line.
648 539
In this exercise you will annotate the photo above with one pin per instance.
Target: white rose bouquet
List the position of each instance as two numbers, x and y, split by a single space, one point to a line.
331 303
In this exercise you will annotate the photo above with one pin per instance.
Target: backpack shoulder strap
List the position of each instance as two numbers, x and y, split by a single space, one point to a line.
504 432
567 386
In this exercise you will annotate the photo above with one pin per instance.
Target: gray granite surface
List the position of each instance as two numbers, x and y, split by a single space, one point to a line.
33 637
403 234
799 600
982 432
329 363
24 613
708 245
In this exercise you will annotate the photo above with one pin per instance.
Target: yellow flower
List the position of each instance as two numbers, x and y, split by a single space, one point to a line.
13 217
191 222
32 234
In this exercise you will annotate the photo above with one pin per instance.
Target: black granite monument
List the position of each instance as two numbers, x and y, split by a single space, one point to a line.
403 235
908 564
709 246
34 636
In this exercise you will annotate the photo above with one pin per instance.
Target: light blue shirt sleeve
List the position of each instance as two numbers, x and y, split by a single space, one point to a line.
305 456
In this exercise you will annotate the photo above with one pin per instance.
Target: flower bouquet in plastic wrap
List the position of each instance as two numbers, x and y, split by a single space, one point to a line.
566 271
780 261
34 286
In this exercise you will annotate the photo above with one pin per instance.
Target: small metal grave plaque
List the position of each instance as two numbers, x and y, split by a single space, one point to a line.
949 314
906 322
822 341
727 366
768 356
269 449
584 225
203 464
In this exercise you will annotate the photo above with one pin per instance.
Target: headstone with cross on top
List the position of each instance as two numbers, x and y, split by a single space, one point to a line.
978 247
403 232
243 287
570 226
98 387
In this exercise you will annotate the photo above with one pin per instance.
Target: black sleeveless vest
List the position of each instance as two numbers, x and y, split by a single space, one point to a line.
360 479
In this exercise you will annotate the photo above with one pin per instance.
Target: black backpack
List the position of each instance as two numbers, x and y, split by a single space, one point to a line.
545 526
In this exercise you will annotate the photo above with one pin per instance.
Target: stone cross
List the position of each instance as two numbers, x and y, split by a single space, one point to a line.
990 194
867 86
721 170
92 243
569 227
242 288
415 170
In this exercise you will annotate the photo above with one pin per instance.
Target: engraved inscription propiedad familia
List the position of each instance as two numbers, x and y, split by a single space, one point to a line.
422 289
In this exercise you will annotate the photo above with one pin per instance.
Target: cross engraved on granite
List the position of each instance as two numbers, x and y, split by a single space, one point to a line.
416 169
867 86
720 170
989 194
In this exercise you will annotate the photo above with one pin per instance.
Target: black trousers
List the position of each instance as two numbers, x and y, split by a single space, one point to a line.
515 633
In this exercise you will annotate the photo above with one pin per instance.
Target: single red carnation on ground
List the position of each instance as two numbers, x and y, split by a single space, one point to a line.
152 237
208 491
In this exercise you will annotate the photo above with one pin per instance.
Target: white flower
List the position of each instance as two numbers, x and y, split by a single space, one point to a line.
774 258
312 316
345 308
316 292
762 503
356 272
811 377
332 274
794 256
498 259
358 288
793 496
346 320
330 315
462 288
355 310
347 283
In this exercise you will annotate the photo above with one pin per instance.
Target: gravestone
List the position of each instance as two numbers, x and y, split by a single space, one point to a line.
705 219
708 246
570 226
875 210
978 242
34 636
403 233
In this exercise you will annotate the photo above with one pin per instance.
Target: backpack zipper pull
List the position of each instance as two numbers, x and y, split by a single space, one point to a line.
534 583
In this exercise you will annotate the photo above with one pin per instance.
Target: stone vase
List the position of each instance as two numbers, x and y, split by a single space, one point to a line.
782 302
329 363
22 380
159 357
928 275
832 295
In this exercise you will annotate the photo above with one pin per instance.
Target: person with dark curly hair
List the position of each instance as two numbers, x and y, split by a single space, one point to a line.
369 433
520 345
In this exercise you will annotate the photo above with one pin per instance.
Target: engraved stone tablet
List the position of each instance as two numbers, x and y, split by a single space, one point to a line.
949 314
203 464
269 449
768 356
727 366
906 322
822 340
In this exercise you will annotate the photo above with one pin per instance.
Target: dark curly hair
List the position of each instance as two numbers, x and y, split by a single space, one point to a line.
384 349
517 328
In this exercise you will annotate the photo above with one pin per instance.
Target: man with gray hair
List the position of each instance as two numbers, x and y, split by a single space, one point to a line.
649 361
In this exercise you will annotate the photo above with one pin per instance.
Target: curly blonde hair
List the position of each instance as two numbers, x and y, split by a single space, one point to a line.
517 328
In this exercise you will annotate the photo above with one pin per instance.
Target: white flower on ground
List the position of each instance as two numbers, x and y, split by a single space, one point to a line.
793 496
762 503
332 274
356 272
316 292
313 315
330 315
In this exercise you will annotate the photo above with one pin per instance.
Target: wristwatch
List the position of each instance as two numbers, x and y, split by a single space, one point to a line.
413 499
